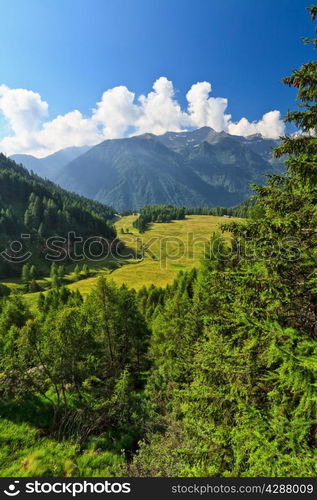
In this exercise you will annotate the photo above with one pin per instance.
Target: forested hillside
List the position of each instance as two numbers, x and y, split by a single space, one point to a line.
32 206
234 348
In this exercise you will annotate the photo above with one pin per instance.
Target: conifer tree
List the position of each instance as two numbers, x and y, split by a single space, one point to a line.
77 272
26 273
33 272
85 269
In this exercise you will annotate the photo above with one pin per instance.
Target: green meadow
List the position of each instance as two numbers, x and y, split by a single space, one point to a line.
167 249
154 257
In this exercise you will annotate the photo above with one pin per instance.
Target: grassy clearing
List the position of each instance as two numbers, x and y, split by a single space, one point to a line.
164 250
154 257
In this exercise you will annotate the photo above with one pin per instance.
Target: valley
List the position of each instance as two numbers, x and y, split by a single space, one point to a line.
169 248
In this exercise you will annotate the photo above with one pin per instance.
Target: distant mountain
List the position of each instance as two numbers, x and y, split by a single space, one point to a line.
49 166
196 168
134 172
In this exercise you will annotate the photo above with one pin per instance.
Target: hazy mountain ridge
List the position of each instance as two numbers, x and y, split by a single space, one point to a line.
49 166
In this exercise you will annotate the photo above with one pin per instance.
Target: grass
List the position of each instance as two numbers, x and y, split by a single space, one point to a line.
28 449
155 257
25 453
164 250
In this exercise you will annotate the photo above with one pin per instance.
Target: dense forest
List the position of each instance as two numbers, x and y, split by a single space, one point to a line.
167 213
36 207
158 213
243 210
215 375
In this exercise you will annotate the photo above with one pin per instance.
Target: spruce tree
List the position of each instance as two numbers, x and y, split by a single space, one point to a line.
26 273
77 272
33 272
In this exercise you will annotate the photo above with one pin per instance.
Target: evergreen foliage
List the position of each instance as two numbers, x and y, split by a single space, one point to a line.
158 213
244 210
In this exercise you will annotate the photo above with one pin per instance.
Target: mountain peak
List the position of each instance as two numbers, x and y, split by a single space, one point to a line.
205 129
147 135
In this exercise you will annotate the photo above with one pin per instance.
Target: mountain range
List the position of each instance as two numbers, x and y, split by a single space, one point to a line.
196 168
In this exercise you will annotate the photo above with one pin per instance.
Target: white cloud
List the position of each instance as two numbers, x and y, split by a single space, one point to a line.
207 111
270 126
119 113
159 111
71 129
22 108
115 112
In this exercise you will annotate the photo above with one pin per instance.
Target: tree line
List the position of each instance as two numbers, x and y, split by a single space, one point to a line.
167 213
243 210
157 213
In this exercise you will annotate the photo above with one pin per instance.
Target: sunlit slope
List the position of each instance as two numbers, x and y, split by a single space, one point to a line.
163 251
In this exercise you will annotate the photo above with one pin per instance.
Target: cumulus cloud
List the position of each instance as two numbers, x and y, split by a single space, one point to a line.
22 108
159 111
207 111
270 126
71 129
120 113
116 112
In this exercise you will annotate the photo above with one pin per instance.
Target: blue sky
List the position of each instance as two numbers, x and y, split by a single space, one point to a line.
71 51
